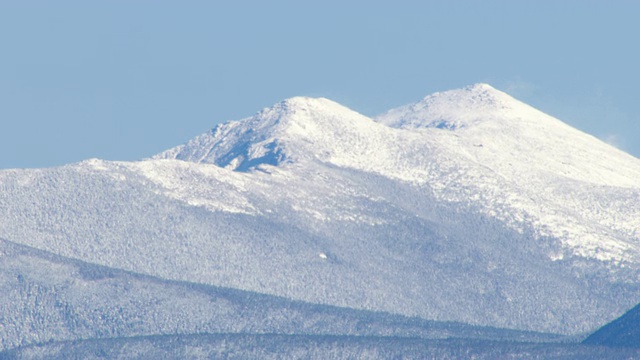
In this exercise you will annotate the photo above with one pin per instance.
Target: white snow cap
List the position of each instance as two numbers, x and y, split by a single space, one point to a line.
453 109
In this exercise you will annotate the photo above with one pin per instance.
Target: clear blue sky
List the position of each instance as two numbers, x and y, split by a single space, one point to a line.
122 80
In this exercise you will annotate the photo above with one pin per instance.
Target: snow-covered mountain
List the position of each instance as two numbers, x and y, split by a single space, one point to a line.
567 183
475 145
467 206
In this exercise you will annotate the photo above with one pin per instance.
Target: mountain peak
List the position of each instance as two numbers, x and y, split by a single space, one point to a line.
287 131
453 109
298 103
304 101
480 87
482 94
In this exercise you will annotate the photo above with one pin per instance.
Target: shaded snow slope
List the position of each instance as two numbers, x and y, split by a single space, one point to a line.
622 332
47 298
468 206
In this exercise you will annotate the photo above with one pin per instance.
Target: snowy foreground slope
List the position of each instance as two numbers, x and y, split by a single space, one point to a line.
59 308
46 298
467 206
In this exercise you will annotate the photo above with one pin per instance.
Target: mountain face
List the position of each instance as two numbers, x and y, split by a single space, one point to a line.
534 166
467 206
477 137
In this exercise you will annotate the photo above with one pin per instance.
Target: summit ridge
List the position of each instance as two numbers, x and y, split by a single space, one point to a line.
469 106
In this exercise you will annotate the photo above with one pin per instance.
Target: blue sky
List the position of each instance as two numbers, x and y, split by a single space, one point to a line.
123 80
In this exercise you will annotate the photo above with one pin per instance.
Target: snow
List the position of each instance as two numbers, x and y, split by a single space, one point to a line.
476 145
520 158
47 298
455 208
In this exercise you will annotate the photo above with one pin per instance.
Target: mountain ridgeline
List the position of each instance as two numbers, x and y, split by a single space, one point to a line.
468 206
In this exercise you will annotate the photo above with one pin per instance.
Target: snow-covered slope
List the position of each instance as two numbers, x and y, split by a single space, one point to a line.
476 145
467 206
296 130
519 163
48 298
